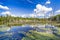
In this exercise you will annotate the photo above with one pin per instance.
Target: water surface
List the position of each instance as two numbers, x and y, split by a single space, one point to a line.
14 32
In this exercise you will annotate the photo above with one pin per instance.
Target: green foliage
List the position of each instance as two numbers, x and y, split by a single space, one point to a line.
33 35
9 20
17 20
54 18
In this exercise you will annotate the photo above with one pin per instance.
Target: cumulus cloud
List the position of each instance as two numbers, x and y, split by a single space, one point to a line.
40 14
6 12
4 7
41 10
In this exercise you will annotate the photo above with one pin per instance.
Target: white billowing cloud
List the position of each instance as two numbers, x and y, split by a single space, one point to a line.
41 10
48 2
40 14
4 7
6 12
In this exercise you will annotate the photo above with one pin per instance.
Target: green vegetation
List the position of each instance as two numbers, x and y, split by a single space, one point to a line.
58 31
55 18
34 35
9 20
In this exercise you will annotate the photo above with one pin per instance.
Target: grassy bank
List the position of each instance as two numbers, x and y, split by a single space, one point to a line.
34 35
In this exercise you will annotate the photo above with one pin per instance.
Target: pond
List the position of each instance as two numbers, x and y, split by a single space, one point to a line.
18 32
14 32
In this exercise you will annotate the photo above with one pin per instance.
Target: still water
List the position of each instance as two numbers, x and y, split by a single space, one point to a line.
14 32
18 32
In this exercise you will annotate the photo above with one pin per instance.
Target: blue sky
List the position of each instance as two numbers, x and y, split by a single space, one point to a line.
26 7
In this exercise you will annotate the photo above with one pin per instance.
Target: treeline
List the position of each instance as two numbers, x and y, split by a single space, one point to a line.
55 18
19 20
